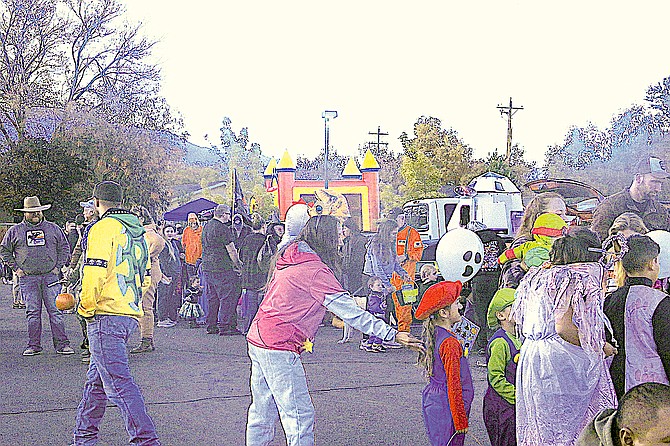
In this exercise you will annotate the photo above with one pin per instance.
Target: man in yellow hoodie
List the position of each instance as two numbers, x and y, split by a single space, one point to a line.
115 274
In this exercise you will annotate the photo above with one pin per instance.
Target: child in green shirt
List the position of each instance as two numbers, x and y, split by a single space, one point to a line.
502 354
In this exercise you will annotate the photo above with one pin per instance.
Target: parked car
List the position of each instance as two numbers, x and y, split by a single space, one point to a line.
581 199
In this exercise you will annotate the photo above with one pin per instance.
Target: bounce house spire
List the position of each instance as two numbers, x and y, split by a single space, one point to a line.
285 163
269 170
351 169
369 162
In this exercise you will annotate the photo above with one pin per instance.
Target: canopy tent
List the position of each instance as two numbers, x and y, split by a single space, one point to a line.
197 206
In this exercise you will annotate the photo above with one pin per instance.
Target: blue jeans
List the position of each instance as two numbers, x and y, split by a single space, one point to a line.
249 307
109 377
223 291
35 292
279 390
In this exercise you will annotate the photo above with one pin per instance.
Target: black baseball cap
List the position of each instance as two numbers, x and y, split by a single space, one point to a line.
108 191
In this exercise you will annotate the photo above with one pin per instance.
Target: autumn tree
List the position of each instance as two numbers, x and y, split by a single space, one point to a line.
108 67
433 158
313 169
84 52
389 180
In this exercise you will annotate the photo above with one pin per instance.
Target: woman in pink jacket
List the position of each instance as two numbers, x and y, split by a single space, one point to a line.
302 287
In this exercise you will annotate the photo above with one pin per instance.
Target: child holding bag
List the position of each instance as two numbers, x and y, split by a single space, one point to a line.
448 396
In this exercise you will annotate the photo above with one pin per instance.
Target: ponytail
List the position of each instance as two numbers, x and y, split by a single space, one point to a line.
428 335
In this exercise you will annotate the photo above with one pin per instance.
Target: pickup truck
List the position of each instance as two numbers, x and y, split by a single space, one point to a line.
490 198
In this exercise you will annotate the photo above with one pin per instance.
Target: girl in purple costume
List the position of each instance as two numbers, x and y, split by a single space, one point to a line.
448 396
562 381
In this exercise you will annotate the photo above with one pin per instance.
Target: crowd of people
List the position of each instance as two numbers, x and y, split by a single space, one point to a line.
567 363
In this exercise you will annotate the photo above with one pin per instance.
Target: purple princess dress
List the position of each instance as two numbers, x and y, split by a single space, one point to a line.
560 387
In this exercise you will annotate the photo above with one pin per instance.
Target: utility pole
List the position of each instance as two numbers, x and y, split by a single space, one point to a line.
509 110
379 134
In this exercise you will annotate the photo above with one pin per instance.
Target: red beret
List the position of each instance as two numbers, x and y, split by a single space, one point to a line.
438 296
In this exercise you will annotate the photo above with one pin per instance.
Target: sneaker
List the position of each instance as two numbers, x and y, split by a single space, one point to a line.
67 350
193 324
212 330
32 351
167 323
391 344
374 348
145 346
378 348
364 344
22 306
16 306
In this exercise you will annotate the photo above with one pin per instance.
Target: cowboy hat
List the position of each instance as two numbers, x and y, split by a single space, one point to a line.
32 204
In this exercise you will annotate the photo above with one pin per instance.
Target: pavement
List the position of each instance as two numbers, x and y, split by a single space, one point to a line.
196 387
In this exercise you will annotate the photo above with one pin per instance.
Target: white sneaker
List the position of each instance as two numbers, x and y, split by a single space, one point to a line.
30 351
65 351
167 323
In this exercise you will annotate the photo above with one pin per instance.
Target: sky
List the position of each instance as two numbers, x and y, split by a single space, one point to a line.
275 66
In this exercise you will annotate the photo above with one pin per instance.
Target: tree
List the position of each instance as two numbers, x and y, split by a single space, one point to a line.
433 158
108 67
603 158
84 53
235 152
31 57
138 159
53 171
389 180
313 169
517 169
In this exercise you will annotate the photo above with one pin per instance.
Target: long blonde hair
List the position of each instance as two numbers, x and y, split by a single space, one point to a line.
630 221
538 205
425 361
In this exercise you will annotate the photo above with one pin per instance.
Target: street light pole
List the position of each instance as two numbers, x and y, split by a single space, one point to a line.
327 116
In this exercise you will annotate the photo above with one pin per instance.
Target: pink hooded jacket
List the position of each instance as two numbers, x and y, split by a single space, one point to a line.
301 289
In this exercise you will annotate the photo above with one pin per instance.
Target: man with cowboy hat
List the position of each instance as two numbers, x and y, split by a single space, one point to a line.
36 250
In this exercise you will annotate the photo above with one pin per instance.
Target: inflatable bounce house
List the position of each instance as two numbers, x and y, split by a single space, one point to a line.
360 187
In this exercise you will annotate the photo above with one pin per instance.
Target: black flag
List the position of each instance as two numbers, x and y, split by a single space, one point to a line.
240 205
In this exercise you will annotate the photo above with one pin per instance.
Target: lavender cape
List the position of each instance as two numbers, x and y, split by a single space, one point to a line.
560 386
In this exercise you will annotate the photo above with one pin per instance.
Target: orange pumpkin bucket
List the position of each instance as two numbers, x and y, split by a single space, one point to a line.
65 301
